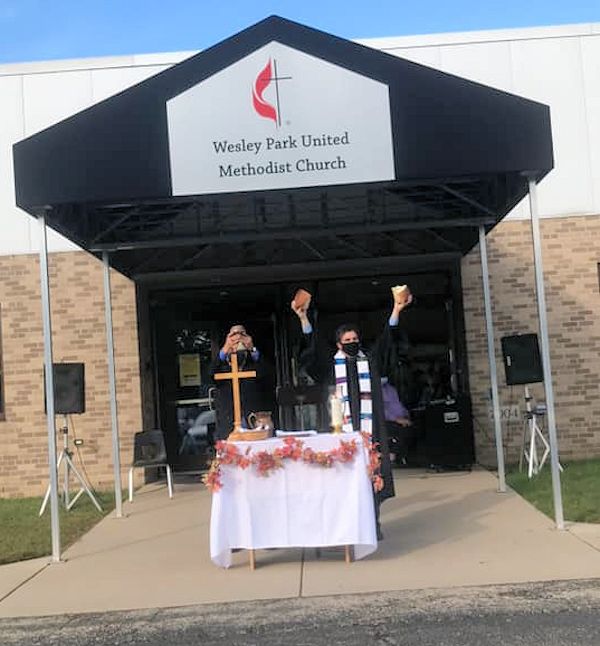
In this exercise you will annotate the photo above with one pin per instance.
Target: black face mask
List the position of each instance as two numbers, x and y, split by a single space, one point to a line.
351 349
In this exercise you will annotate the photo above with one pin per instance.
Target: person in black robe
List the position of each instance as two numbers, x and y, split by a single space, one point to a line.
251 389
319 364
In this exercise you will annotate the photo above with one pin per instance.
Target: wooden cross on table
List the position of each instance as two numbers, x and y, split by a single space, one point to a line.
235 375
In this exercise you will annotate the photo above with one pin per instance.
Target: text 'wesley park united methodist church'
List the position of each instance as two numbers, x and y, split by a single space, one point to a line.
272 144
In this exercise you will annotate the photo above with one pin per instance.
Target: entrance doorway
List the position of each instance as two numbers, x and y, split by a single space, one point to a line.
188 331
189 327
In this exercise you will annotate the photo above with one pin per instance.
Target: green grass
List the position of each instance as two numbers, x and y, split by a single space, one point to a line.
24 535
580 490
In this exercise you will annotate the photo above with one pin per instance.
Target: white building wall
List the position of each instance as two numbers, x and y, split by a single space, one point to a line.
559 66
35 96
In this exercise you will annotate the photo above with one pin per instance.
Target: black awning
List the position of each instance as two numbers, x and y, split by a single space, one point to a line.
461 151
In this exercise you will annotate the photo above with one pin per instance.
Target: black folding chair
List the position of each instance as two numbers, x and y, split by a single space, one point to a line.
149 451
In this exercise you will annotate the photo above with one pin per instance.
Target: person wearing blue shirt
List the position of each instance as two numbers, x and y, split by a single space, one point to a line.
249 358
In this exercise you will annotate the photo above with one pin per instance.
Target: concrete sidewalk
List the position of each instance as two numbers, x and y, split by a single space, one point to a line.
441 530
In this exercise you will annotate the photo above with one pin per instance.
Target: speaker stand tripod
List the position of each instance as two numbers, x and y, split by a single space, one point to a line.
535 448
65 459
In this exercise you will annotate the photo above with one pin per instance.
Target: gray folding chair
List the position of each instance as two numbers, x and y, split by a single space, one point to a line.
149 451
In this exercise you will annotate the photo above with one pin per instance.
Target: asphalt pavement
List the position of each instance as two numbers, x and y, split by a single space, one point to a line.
545 614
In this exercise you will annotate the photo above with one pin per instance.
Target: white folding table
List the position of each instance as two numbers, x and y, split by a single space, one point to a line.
298 505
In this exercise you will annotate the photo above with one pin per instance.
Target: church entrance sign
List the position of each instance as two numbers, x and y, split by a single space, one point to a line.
279 118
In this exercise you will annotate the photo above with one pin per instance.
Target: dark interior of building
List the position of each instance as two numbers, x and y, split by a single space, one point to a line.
192 323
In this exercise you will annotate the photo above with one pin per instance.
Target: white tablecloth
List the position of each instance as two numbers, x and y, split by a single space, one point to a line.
300 505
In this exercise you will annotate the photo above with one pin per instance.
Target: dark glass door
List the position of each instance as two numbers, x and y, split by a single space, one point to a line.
185 345
184 351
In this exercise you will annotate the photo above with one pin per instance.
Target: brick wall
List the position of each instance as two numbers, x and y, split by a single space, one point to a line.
571 253
77 303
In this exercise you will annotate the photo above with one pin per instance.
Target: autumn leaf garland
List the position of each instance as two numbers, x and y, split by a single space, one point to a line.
293 449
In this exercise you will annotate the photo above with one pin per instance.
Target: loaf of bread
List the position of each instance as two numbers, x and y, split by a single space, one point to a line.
400 293
301 299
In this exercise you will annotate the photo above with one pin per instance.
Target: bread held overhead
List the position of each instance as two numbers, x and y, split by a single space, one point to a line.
401 293
301 299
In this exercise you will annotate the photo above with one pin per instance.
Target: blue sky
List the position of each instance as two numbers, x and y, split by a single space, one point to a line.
49 29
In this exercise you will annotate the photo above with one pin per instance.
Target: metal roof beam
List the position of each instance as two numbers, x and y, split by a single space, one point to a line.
319 269
193 257
286 234
115 224
442 240
149 260
311 248
353 246
401 243
468 200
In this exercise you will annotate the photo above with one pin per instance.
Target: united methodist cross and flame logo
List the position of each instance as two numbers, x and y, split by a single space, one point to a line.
265 77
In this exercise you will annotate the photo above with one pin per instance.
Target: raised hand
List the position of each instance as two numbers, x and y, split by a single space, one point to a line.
405 303
237 339
301 310
300 304
228 345
402 298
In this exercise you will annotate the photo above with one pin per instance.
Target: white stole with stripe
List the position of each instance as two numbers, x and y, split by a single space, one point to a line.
364 387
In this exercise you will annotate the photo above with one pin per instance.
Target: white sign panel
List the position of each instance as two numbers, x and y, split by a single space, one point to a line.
279 118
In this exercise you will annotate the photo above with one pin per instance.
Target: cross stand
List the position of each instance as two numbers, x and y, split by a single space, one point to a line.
65 458
532 436
235 375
